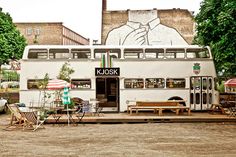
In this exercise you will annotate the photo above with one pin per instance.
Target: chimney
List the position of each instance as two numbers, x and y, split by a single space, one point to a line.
104 5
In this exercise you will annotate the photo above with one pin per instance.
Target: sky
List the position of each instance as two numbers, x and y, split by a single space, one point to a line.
83 16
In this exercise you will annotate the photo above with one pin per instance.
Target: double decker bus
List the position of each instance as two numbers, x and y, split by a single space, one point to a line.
119 74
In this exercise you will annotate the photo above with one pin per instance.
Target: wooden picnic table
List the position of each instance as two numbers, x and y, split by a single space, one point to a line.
158 106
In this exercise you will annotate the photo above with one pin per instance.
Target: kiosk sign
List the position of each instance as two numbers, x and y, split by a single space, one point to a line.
107 71
196 68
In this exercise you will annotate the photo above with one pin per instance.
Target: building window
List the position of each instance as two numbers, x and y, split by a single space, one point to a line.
154 83
175 83
134 83
29 31
81 83
37 31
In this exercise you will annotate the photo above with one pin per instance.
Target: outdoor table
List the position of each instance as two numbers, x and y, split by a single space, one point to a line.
69 113
57 113
56 117
217 107
97 108
232 108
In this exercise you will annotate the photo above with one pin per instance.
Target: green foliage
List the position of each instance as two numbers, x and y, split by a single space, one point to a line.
216 27
12 43
65 72
10 75
43 86
44 82
221 87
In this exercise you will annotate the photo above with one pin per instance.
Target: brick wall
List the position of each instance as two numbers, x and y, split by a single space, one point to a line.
43 33
50 34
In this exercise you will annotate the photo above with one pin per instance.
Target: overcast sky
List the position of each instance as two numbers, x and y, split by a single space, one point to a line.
83 16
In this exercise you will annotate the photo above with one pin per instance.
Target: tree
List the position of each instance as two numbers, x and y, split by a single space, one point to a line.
216 27
65 72
12 43
42 85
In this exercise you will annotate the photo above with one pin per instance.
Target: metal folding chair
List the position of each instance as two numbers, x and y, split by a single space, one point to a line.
83 109
232 111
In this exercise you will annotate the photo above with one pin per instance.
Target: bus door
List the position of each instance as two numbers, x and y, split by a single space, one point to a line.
200 92
107 93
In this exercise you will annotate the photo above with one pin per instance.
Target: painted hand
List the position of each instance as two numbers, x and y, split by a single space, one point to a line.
136 37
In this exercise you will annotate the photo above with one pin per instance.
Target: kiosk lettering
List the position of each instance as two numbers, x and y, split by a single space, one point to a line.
107 71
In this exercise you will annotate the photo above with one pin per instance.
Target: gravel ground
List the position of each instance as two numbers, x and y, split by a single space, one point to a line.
121 140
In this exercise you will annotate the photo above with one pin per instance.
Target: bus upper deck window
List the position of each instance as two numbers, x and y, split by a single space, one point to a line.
133 53
198 53
59 53
38 54
114 53
81 53
154 53
175 53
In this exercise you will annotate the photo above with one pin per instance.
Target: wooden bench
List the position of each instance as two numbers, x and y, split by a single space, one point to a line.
160 109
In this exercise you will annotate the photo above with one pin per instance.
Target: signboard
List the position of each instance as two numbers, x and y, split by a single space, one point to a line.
196 68
107 71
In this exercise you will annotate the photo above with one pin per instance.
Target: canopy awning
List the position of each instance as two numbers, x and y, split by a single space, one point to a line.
231 82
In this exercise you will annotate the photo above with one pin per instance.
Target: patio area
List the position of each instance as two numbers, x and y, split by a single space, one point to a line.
146 117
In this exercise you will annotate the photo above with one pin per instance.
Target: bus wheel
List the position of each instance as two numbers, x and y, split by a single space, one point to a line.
177 98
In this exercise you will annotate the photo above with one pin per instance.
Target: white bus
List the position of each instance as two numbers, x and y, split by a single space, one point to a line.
120 74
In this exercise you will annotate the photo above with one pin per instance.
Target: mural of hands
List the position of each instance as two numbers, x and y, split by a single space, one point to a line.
136 37
144 28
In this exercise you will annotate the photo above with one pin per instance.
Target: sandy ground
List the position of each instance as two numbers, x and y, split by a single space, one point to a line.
121 140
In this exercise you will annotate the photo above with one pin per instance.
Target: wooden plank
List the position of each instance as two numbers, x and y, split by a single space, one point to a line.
160 103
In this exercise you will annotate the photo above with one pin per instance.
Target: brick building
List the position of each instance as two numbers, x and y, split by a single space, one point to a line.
50 33
179 20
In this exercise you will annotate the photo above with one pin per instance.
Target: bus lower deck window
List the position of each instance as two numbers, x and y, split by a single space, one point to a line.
154 83
81 83
175 83
34 83
134 83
